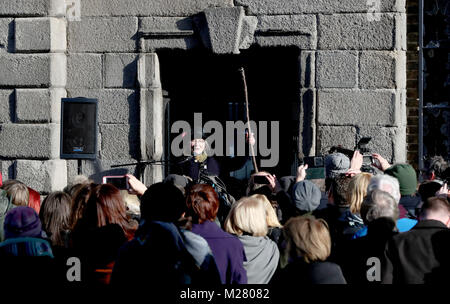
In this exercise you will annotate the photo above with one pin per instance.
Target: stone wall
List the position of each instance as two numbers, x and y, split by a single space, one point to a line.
352 73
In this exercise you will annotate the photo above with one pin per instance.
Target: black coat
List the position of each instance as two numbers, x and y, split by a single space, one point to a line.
218 166
418 256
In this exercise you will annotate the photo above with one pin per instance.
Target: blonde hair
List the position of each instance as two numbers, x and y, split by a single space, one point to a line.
17 191
247 215
308 238
271 216
357 190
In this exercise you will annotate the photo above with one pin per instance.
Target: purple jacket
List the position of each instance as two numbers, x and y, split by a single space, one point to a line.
228 252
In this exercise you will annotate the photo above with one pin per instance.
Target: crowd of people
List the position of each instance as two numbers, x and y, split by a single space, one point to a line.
280 232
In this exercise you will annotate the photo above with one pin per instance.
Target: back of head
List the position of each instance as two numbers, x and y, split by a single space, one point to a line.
406 176
307 237
247 216
306 196
339 188
34 200
79 201
435 165
54 216
17 191
378 204
437 208
271 216
162 202
357 190
257 188
22 221
202 203
428 189
385 183
336 164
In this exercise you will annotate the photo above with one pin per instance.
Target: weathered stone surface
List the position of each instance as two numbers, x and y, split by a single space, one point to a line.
389 142
34 141
307 136
114 34
287 30
186 43
276 7
307 69
39 105
148 71
359 107
114 105
84 71
24 7
151 117
40 34
249 25
96 169
329 136
25 70
42 176
119 142
165 24
355 32
7 169
383 70
149 8
337 69
6 35
120 70
6 105
224 29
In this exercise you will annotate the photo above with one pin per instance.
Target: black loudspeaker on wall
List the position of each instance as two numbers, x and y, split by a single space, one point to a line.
78 128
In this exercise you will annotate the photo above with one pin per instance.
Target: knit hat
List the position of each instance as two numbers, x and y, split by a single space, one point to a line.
306 196
22 222
406 176
335 164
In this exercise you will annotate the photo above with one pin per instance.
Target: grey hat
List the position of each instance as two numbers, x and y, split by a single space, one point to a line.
335 164
306 196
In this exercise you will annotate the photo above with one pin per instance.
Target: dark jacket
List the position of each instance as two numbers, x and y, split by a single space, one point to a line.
298 273
217 166
228 252
161 254
418 256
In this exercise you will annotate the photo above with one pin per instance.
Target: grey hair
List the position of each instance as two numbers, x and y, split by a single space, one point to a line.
378 204
379 182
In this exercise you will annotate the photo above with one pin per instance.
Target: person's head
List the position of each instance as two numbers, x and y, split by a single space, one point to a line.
247 216
79 201
385 183
338 190
357 190
198 146
34 200
162 202
306 196
179 181
105 206
428 189
335 165
259 184
378 204
23 221
17 191
436 208
202 203
406 176
434 168
271 216
307 237
78 182
54 216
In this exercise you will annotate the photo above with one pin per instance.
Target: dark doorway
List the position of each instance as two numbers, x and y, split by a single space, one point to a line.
201 82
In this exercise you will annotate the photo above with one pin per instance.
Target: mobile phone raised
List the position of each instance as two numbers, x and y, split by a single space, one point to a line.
119 181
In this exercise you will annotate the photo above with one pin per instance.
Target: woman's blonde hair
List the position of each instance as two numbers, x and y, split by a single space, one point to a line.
307 237
357 190
271 216
248 216
17 191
